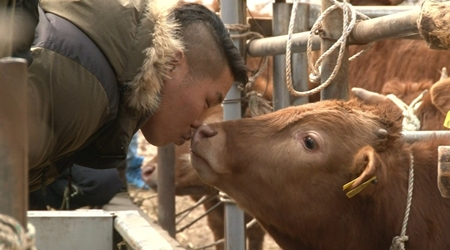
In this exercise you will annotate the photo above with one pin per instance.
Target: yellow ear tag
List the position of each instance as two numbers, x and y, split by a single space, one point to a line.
357 189
447 120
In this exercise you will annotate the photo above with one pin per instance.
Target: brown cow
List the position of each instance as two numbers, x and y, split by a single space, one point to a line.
288 169
187 182
434 105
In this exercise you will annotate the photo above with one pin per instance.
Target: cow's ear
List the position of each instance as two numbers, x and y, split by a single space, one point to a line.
439 95
367 165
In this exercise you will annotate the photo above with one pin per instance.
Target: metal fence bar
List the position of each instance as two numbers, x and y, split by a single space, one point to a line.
276 45
397 25
166 188
400 24
13 139
412 136
280 24
370 11
300 60
233 12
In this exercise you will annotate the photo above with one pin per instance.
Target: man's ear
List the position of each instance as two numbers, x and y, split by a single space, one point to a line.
368 165
179 55
177 64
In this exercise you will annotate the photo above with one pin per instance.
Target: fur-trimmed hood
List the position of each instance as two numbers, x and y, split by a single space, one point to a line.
145 87
138 38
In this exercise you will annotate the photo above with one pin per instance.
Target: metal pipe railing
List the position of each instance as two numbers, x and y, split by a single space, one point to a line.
412 136
401 24
397 25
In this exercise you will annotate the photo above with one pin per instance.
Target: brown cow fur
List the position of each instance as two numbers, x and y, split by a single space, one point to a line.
406 60
287 169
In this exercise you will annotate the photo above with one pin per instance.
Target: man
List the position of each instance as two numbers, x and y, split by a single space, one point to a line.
103 69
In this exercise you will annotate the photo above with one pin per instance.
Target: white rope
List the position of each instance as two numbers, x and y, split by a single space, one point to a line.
398 242
410 121
349 21
13 236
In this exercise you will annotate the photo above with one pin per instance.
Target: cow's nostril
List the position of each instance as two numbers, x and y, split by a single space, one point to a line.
204 131
147 170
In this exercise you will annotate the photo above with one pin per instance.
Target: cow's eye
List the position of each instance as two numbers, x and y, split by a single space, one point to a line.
309 143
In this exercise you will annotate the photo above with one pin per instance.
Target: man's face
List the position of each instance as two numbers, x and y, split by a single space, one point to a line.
184 100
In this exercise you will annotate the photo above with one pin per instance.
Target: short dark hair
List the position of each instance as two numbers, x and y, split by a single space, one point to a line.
201 29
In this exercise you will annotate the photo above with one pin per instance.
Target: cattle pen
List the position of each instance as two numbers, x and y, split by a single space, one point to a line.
121 220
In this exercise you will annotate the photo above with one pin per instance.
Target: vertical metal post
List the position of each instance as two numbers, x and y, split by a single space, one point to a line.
232 12
300 60
13 139
280 25
6 23
166 188
332 26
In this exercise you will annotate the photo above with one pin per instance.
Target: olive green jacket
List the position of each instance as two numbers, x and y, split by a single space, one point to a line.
97 71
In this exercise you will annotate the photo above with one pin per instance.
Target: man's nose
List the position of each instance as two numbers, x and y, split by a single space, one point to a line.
203 132
196 124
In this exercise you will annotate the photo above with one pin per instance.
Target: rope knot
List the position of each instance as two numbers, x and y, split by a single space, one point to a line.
410 121
315 78
398 242
257 104
13 236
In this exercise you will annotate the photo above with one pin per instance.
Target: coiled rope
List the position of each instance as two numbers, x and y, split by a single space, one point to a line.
13 236
349 21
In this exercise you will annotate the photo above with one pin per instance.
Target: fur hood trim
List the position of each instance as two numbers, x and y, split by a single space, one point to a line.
144 90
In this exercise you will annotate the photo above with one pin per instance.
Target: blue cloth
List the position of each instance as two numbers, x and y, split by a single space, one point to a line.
134 163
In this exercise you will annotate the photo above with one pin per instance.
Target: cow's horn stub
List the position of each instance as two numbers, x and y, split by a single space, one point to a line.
382 133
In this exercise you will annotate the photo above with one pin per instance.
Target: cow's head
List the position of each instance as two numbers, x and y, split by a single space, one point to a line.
310 151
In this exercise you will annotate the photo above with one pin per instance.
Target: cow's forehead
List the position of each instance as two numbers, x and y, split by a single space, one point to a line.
333 110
